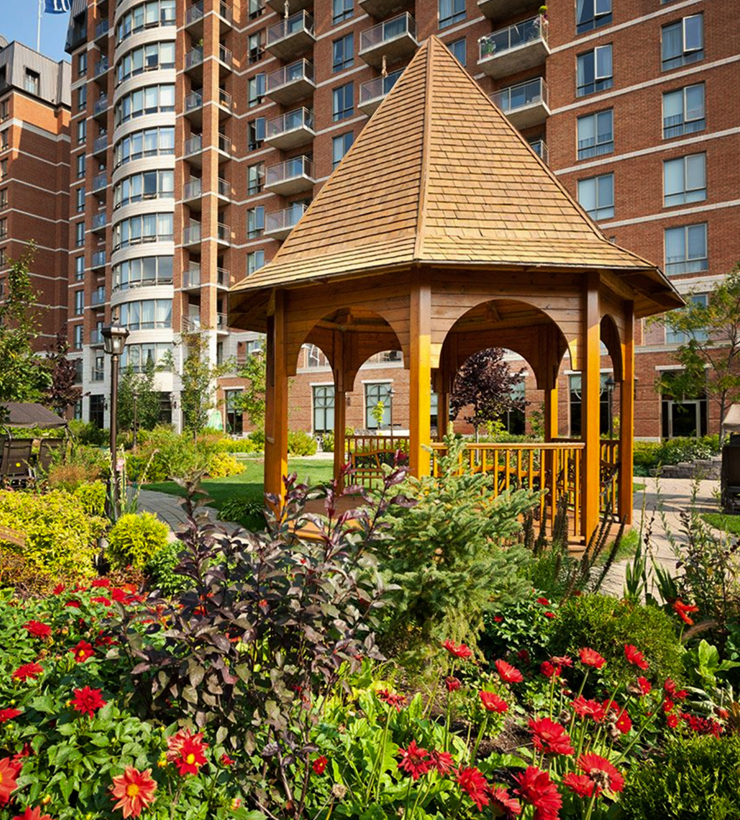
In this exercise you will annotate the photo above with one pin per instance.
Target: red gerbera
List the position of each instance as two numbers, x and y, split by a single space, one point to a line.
186 751
460 651
391 698
493 703
319 765
508 673
683 610
536 788
134 790
503 804
645 685
37 629
452 684
28 670
588 708
415 760
561 660
9 771
8 714
443 761
226 760
473 783
581 784
550 737
32 814
601 772
87 700
618 716
635 657
590 657
82 651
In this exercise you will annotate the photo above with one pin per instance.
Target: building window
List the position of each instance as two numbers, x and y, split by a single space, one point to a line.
79 302
82 64
256 90
32 82
683 42
459 50
594 71
596 134
255 261
4 139
323 408
315 357
3 228
143 229
677 337
256 46
82 98
146 16
339 147
686 249
80 235
683 111
79 268
3 260
341 10
77 337
596 196
343 50
451 11
591 14
3 169
141 272
343 105
150 100
256 8
149 314
80 199
255 178
256 133
139 357
4 110
80 166
576 401
255 222
4 198
81 132
375 394
684 180
150 142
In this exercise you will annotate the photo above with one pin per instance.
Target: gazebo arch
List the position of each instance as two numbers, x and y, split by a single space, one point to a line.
441 207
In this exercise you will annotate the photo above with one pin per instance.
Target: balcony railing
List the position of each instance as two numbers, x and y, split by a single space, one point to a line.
101 105
223 277
223 188
224 144
223 233
97 374
99 221
391 39
225 56
291 36
514 48
289 177
280 223
99 259
291 130
225 100
100 182
102 28
192 189
191 234
100 144
373 92
194 57
193 145
98 298
291 82
222 321
194 14
540 148
193 101
190 323
191 277
101 67
525 104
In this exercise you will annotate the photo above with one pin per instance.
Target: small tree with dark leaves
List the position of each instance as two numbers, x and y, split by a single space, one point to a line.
63 392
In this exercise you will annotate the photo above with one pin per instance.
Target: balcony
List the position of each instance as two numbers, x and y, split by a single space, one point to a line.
223 234
225 57
291 37
193 150
102 29
392 40
290 177
293 5
540 148
100 222
373 92
525 104
225 104
97 374
498 9
194 63
99 183
191 234
96 338
98 298
191 278
101 67
99 260
195 15
514 49
381 8
100 109
222 323
223 278
192 192
100 146
290 130
193 108
279 224
291 83
225 148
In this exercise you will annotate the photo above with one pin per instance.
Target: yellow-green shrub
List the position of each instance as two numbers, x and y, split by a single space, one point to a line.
221 465
60 535
92 497
135 538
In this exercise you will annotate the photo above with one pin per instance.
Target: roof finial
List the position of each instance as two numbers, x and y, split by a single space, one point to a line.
384 69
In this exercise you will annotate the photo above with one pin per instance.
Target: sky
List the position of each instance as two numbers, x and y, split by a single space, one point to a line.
18 20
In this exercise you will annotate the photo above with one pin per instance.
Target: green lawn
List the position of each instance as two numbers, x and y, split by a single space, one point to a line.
638 487
720 521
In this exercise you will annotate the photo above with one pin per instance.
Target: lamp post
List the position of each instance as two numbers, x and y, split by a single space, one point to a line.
114 340
610 384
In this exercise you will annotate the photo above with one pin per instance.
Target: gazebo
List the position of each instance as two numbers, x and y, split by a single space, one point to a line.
442 233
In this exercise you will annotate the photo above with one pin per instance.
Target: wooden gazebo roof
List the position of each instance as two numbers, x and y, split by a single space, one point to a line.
440 177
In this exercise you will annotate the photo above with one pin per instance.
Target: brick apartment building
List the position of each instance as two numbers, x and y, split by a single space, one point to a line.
201 131
34 175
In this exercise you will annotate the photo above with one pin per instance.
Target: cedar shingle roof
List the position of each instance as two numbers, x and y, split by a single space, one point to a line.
440 176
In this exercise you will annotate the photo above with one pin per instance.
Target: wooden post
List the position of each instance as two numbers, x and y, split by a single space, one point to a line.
627 417
340 406
551 426
420 377
590 408
276 401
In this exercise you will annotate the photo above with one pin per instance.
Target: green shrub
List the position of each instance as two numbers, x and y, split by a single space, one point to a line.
607 624
698 777
80 465
135 539
327 442
649 455
60 535
249 512
222 465
258 437
85 432
160 570
238 445
92 496
301 443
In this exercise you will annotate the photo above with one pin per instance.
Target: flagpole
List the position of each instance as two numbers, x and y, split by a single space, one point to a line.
38 27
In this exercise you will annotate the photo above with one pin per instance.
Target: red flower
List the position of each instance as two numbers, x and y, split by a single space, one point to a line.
561 660
703 726
8 714
498 619
503 804
87 701
319 765
681 694
549 670
58 589
28 670
588 708
667 706
101 599
550 737
391 698
683 610
635 657
452 684
461 651
645 685
669 687
226 760
543 601
536 788
508 673
186 751
73 604
672 721
622 720
523 655
443 761
601 772
549 614
37 629
101 582
581 784
134 790
415 760
473 783
32 814
9 771
591 658
493 703
82 651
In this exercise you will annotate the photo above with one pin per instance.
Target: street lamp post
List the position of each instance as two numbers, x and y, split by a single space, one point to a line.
114 340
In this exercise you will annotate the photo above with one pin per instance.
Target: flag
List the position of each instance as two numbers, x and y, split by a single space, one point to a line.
57 6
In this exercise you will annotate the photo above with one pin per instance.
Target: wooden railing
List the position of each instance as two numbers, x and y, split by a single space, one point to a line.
366 456
609 455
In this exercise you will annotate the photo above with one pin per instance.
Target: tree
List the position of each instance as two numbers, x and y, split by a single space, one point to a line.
62 392
139 404
251 400
710 356
485 384
198 379
23 376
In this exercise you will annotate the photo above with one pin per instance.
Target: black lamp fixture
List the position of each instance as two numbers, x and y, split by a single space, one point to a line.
114 340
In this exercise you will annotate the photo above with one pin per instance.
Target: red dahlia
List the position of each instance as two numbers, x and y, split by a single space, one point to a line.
101 599
581 784
134 790
82 651
645 685
9 771
452 684
618 716
503 804
391 698
319 765
493 703
473 783
536 788
415 760
442 761
543 601
58 589
87 700
590 657
601 772
37 629
508 673
28 670
8 714
460 651
550 737
635 657
683 610
185 751
226 760
32 814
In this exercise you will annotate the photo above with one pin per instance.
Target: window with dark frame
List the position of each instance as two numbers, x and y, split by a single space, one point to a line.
343 102
591 14
594 71
343 53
